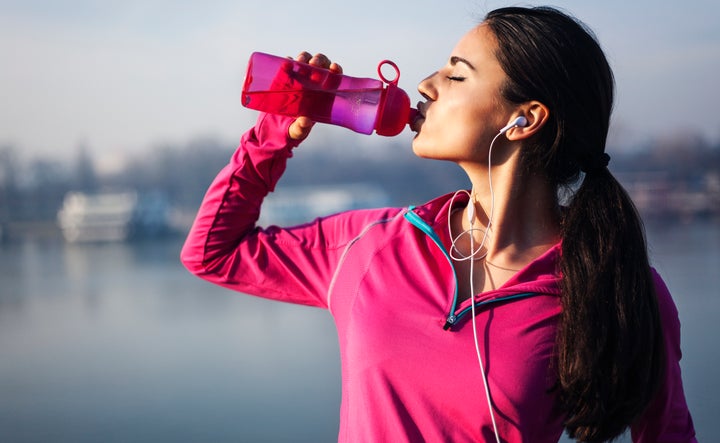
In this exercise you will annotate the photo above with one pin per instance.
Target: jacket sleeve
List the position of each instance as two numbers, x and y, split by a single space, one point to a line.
667 418
225 247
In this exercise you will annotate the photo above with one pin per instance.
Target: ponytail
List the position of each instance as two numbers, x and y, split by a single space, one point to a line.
609 341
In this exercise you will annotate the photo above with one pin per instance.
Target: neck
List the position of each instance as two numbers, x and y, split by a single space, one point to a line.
521 209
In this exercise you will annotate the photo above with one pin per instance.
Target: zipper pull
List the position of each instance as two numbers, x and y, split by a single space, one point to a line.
449 322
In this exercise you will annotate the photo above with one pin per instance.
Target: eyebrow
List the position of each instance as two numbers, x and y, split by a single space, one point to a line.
454 60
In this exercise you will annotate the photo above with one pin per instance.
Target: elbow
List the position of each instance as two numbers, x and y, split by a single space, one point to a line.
198 261
193 258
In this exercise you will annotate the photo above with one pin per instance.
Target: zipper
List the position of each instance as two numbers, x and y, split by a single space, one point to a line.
480 304
453 318
419 223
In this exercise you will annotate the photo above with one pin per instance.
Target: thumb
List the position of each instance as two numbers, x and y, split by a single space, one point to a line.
300 128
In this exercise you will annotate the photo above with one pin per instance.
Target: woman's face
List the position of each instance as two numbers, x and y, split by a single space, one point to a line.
463 110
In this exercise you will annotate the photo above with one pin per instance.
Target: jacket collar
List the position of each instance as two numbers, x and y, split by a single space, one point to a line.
542 275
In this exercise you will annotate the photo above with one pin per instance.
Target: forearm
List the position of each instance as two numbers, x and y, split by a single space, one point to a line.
231 206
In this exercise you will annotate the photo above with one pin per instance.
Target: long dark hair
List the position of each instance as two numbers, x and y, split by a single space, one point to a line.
609 342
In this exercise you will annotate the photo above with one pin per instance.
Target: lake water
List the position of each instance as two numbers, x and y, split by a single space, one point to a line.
118 343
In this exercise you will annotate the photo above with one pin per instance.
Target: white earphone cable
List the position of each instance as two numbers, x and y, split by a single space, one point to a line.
472 289
457 255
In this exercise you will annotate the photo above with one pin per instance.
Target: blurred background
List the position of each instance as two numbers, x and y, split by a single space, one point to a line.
114 118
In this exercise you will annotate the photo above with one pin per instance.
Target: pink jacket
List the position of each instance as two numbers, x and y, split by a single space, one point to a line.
409 368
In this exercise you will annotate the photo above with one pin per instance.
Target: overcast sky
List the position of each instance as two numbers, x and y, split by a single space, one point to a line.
123 76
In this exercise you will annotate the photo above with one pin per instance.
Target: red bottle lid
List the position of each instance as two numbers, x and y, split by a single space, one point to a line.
394 111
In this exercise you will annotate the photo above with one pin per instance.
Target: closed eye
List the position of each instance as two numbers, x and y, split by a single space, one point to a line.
454 78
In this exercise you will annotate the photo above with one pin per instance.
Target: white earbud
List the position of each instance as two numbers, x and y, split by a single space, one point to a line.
471 212
520 121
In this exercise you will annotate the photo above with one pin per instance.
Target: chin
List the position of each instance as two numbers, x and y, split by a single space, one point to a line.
418 149
424 150
427 154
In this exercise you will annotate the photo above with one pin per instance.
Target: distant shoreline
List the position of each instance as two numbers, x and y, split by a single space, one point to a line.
48 230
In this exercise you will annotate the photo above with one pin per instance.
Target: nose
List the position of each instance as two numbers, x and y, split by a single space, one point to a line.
426 87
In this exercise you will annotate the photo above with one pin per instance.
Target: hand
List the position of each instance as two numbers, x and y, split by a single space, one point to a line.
300 128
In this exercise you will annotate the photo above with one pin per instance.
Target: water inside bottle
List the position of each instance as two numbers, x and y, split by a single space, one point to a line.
296 89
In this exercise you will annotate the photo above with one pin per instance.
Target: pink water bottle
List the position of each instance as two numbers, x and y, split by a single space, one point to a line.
279 85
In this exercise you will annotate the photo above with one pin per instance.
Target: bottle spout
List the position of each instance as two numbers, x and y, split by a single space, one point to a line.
412 116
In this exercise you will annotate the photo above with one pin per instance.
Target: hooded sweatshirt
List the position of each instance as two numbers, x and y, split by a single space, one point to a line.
410 366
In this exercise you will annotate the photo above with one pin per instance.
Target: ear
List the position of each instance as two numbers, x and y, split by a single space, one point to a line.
536 114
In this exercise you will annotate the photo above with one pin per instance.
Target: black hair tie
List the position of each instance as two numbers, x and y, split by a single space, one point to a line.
597 164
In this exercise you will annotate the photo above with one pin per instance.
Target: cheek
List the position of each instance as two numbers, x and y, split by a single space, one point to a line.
454 130
464 129
454 140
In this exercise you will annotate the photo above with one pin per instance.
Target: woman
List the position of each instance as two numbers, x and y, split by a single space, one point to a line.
494 314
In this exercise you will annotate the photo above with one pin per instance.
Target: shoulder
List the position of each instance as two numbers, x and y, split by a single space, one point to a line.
345 227
667 417
666 304
436 210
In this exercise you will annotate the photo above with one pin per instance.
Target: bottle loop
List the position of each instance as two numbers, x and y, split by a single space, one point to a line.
382 76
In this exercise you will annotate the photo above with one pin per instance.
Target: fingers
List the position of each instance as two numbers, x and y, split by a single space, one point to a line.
334 67
303 57
301 127
320 60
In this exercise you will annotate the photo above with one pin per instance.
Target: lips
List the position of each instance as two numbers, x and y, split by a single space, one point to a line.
417 122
